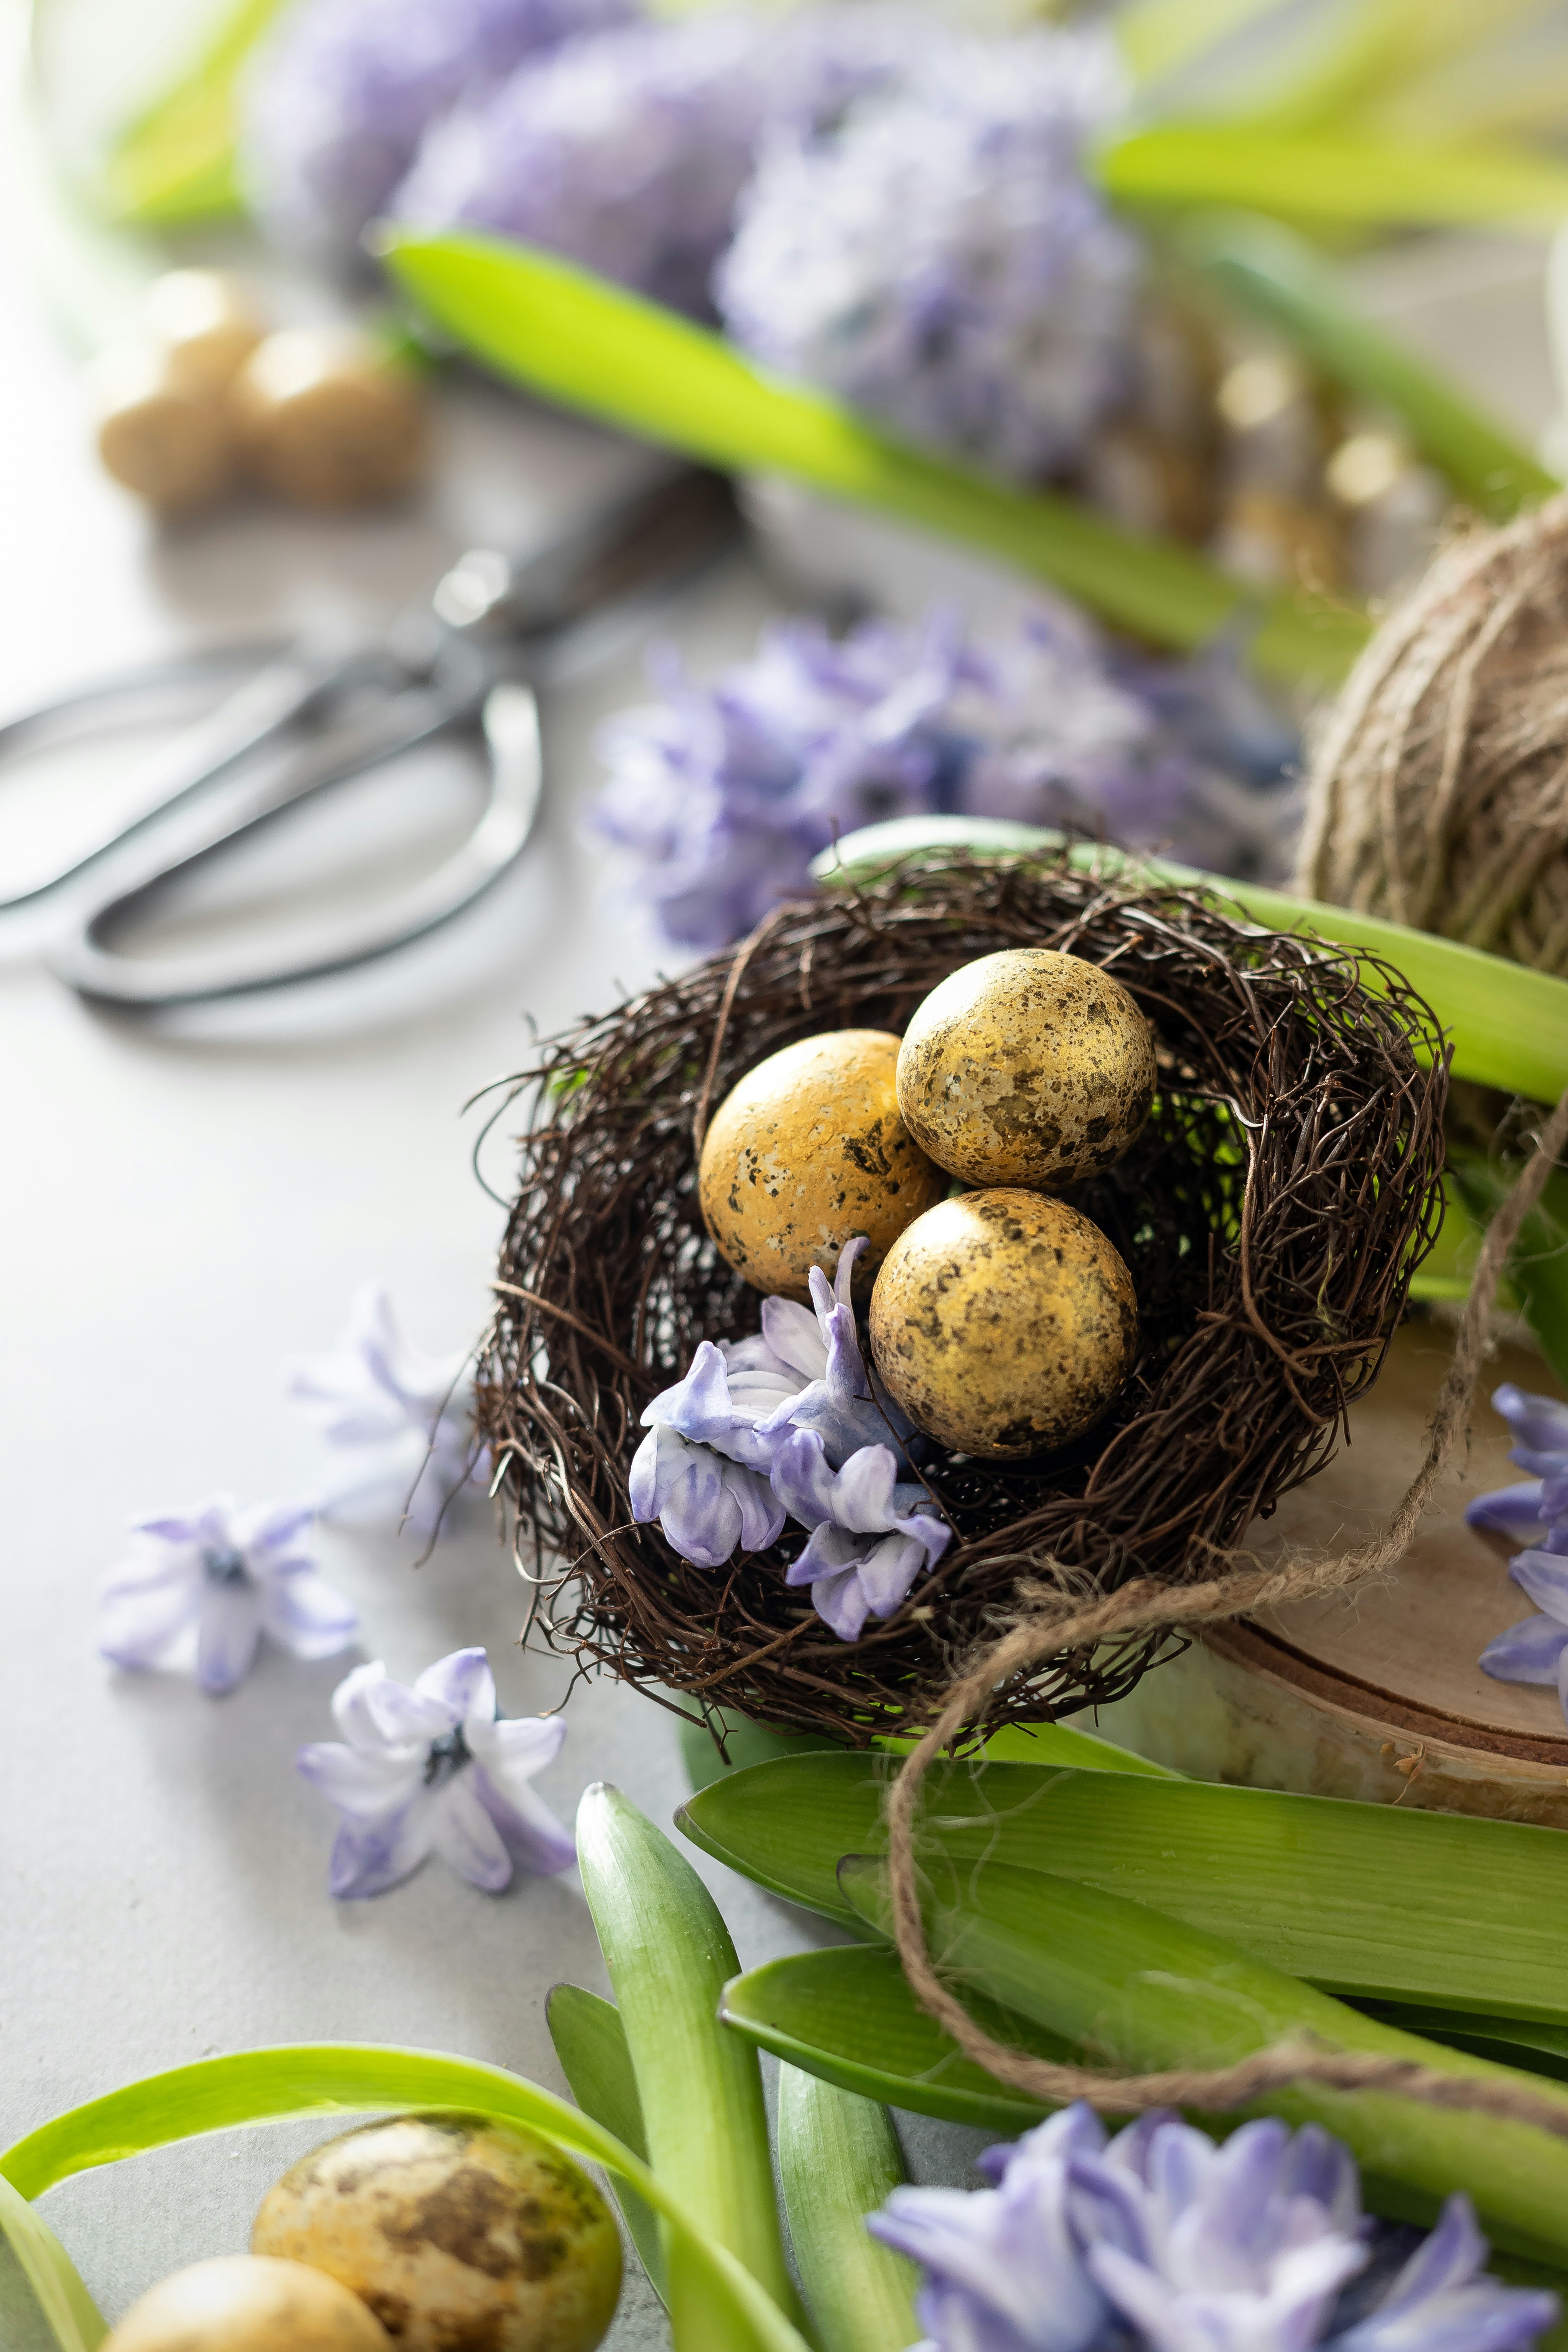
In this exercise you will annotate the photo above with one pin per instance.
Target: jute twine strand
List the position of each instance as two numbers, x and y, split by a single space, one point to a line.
1050 1626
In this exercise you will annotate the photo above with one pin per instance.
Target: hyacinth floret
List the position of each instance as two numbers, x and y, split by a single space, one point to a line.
340 92
941 259
1159 2241
1534 1513
717 799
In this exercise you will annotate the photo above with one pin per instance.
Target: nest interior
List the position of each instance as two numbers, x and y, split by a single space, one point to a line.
1284 1191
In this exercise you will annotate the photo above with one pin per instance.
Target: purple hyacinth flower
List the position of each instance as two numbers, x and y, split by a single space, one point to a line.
432 1769
1533 1650
942 259
1535 1513
204 1584
1158 2240
626 151
706 1502
339 93
822 1344
401 1420
717 800
871 1537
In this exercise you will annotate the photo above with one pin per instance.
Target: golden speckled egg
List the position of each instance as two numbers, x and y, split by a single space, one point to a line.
807 1151
1004 1323
240 2303
1027 1067
329 417
171 445
461 2234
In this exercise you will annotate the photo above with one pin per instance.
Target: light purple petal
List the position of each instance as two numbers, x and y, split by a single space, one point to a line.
370 1856
701 1515
802 1479
152 1571
1540 1423
406 1718
842 1603
1513 1510
137 1629
269 1528
369 1786
1544 1576
887 1571
642 1481
307 1616
227 1630
461 1685
467 1839
513 1747
532 1831
1530 1651
863 1490
352 1710
794 1334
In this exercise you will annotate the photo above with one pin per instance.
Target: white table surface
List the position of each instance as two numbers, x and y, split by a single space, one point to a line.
184 1205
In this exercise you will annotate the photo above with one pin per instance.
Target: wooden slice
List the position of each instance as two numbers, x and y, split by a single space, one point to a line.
1376 1693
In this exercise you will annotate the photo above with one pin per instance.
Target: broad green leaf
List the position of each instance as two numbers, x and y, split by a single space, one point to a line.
1147 1993
848 2016
593 346
839 2160
1331 175
745 1743
1023 1743
1507 1025
1368 1900
1511 2041
1264 270
177 161
69 2312
1538 1264
592 2047
345 2078
669 1956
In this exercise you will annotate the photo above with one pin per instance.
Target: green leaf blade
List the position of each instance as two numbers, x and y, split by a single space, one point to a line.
590 2044
1328 175
69 2312
1148 1993
590 345
839 2159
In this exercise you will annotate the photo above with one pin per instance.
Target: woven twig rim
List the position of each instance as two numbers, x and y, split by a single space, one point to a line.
1284 1193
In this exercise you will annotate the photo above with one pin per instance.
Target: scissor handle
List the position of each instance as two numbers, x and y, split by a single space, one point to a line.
89 962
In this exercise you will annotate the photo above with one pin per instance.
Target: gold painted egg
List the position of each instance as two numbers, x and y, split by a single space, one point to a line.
1004 1323
461 2234
807 1151
241 2303
329 417
1027 1067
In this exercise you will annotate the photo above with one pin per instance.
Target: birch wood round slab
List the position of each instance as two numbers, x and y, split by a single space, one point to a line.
1375 1694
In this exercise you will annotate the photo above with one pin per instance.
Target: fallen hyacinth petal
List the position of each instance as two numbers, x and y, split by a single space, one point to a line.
207 1583
1160 2240
402 1420
434 1770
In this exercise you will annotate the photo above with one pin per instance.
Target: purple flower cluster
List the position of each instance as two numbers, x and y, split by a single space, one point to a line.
787 1425
435 1769
940 257
718 799
627 152
1535 1513
1158 2240
340 94
202 1586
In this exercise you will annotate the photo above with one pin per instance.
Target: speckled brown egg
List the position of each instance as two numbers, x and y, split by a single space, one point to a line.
462 2235
1027 1067
807 1151
1004 1323
239 2302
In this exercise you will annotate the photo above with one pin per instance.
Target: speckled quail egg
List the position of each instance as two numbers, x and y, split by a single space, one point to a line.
242 2303
1004 1323
461 2234
1027 1067
807 1150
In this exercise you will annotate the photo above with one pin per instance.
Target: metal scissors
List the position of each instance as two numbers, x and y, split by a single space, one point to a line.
467 662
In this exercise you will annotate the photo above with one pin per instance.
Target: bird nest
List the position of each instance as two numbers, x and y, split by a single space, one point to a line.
1283 1193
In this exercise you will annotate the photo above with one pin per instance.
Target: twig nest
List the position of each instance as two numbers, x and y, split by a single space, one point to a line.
1439 793
461 2234
248 2303
208 325
328 417
170 444
1004 1323
1027 1067
808 1150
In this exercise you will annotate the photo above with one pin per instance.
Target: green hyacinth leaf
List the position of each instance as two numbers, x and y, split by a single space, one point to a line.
590 2044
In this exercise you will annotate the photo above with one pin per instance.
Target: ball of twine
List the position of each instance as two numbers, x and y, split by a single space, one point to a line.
1439 792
